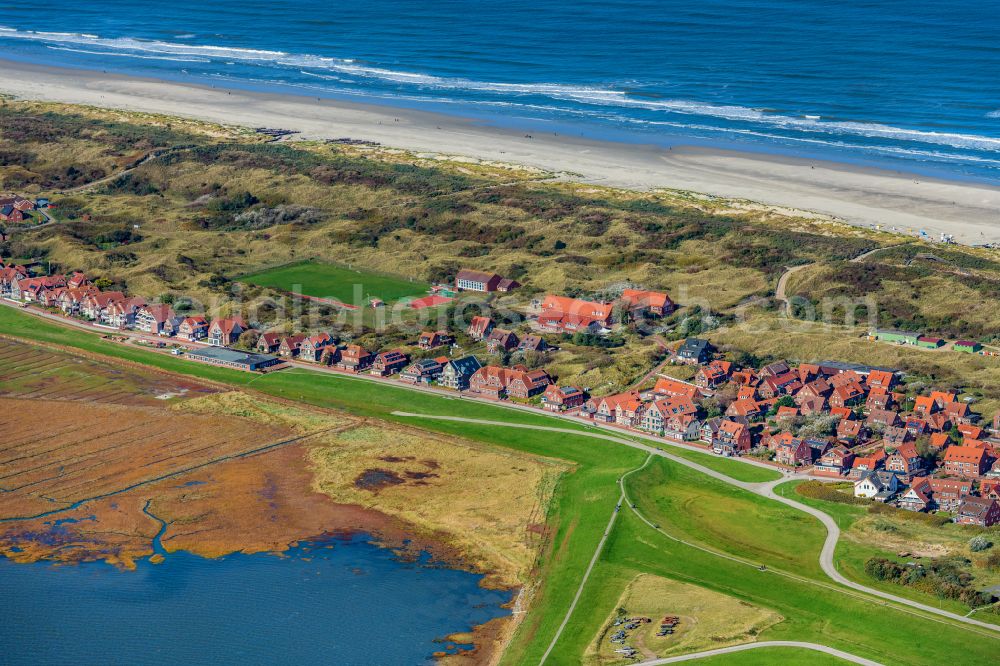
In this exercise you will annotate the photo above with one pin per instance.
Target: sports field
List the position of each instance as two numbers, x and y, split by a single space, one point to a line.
353 287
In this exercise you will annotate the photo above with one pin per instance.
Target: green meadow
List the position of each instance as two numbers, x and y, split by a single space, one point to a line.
341 283
702 517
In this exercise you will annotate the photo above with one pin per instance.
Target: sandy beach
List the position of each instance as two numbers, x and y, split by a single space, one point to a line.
864 196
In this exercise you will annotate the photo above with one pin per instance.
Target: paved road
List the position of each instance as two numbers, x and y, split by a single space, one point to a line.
765 489
847 656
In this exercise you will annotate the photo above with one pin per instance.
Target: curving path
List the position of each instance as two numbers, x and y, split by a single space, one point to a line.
765 489
846 656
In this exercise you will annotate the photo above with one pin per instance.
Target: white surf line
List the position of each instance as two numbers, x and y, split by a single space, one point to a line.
763 489
593 562
846 656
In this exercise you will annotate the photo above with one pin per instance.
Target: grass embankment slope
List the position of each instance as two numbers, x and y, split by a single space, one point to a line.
581 505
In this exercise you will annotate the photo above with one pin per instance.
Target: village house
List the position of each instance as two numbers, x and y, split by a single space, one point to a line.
355 359
457 373
193 328
675 388
629 413
501 340
389 363
157 318
732 438
70 299
878 400
517 382
789 449
291 345
225 331
9 277
709 429
965 461
95 306
882 419
905 461
744 411
872 462
694 351
562 398
28 289
434 339
880 486
122 314
570 315
714 374
269 343
312 348
423 371
685 427
916 498
944 494
847 395
480 327
979 511
835 462
848 431
532 343
604 409
642 303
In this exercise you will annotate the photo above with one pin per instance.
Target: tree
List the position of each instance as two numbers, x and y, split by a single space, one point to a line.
103 283
783 401
248 340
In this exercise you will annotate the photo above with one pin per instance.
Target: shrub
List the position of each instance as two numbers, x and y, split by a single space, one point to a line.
979 543
829 493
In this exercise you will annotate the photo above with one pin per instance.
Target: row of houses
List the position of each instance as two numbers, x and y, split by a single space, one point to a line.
75 295
16 209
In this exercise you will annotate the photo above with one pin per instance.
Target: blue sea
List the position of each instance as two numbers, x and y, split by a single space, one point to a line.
908 85
338 601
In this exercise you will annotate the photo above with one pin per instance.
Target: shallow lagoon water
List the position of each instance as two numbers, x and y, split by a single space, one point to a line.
336 601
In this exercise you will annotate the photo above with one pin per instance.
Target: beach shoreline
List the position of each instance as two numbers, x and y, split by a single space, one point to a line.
865 196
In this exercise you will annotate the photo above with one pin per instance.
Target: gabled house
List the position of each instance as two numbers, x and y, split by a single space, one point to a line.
905 461
157 318
291 345
570 315
847 395
713 375
676 388
424 371
312 348
685 427
641 303
836 461
355 359
389 363
916 498
848 431
501 340
225 331
744 411
517 382
861 465
480 327
457 373
629 413
979 511
965 462
434 339
880 486
604 409
945 494
193 328
269 343
562 398
733 438
882 418
694 350
532 343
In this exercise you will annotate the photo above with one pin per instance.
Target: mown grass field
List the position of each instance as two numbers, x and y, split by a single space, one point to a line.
582 503
347 285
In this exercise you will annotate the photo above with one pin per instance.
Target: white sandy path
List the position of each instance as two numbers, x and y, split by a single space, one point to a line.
858 195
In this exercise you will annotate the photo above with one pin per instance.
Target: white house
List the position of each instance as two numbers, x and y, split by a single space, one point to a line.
877 485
